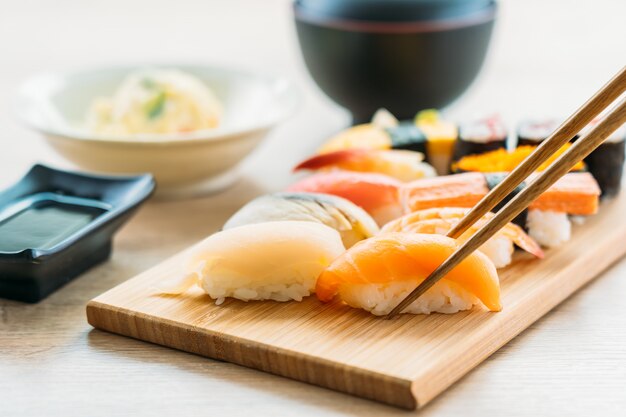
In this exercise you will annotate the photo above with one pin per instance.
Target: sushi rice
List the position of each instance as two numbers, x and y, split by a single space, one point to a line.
380 299
548 228
277 261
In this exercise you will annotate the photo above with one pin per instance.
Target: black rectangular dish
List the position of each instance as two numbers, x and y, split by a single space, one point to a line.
54 225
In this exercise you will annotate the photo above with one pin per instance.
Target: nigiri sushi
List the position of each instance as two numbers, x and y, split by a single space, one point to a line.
265 261
377 273
499 249
402 165
381 135
546 220
375 193
575 193
351 221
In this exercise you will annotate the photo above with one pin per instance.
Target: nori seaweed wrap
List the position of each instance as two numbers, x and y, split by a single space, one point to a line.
535 131
495 178
606 162
480 136
407 136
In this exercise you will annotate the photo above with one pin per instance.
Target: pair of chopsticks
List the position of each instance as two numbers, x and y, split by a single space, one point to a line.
563 134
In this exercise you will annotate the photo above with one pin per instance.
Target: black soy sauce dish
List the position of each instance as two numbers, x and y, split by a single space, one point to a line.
54 225
403 55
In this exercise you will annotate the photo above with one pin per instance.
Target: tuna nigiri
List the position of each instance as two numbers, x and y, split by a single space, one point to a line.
499 249
377 273
266 261
402 165
375 193
351 221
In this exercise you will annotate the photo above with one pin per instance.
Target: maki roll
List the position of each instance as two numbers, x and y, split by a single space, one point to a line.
407 136
606 162
535 131
440 138
480 136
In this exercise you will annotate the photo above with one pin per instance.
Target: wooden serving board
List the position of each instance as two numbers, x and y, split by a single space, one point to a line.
404 362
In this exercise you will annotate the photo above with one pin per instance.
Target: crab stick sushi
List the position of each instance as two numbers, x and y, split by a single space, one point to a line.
377 194
546 219
402 165
575 193
499 249
351 221
377 273
277 261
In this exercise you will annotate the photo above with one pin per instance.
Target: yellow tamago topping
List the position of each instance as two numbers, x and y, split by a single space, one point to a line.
365 136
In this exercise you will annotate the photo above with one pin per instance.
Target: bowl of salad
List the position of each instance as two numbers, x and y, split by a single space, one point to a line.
188 125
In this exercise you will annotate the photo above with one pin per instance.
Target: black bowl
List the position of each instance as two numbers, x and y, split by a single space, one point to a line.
414 59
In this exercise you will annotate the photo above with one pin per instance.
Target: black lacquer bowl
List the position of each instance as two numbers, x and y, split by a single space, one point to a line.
404 55
101 204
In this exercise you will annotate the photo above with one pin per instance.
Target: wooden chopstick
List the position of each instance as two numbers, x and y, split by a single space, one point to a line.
581 148
565 132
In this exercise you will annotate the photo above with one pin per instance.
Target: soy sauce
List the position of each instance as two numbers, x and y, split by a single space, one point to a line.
44 226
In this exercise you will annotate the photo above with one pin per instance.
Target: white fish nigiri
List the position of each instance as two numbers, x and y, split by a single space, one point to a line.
265 261
351 221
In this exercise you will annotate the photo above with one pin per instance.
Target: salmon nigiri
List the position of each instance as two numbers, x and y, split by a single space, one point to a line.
400 164
375 193
499 249
377 273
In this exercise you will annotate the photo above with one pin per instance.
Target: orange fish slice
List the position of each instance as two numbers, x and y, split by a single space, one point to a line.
362 274
576 193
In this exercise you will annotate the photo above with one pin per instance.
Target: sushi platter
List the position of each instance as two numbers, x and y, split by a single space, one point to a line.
405 362
297 283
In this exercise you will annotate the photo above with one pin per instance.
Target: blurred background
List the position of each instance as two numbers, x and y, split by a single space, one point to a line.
546 56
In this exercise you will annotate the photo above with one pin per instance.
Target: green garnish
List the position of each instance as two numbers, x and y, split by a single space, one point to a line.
155 106
148 83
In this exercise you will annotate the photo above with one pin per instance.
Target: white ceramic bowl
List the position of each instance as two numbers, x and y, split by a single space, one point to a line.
202 161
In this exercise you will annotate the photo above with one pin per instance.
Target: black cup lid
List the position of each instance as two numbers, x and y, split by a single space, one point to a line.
392 10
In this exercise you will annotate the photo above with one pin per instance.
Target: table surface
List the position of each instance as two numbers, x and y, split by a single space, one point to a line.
546 58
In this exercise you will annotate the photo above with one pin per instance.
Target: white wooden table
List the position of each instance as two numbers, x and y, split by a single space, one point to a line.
546 58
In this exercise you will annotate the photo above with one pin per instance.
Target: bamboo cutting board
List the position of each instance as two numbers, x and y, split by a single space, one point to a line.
404 362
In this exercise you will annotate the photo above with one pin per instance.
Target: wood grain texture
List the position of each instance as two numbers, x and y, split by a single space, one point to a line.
404 362
53 363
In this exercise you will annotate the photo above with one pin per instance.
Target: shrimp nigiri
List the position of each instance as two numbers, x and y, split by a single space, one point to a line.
264 261
375 193
377 273
440 220
400 164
